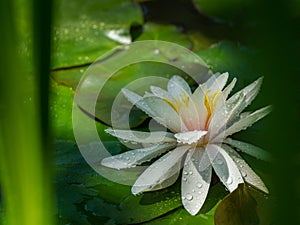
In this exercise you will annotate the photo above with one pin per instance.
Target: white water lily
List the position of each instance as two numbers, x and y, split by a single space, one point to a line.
200 123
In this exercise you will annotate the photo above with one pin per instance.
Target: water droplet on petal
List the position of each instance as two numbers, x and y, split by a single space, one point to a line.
229 181
244 174
199 185
189 197
191 172
219 161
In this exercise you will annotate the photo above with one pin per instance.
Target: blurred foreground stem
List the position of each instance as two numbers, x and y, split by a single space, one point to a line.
25 175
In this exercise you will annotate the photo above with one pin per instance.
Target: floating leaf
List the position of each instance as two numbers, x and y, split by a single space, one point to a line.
153 31
84 30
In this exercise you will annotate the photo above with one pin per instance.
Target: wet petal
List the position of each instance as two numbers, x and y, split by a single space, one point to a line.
159 92
224 167
247 120
197 101
218 83
222 99
142 137
210 80
166 167
135 157
250 92
131 96
195 183
177 87
164 114
248 174
190 137
229 110
249 149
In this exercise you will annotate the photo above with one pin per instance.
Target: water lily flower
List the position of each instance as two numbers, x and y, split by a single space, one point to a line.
199 125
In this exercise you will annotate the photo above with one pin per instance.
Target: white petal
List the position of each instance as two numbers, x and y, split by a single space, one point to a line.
164 114
247 120
210 80
177 86
197 100
229 110
190 137
131 96
135 157
195 183
224 167
159 92
249 92
229 88
218 83
142 137
248 174
137 100
249 149
161 170
221 100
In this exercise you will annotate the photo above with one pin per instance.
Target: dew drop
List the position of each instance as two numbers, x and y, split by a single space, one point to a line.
184 179
244 174
199 185
229 181
190 172
156 51
219 161
189 197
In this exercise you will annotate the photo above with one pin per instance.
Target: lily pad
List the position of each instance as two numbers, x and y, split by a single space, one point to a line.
84 30
61 103
136 67
233 58
154 31
222 10
244 206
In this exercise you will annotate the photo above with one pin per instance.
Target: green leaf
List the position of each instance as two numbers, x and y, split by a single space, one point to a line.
61 103
244 206
205 216
139 72
84 30
153 31
200 41
83 192
229 57
69 77
229 10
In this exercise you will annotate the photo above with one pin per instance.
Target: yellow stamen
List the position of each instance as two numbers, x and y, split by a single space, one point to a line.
179 102
210 101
